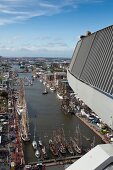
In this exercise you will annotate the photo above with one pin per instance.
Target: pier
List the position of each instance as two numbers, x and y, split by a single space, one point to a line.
59 161
93 128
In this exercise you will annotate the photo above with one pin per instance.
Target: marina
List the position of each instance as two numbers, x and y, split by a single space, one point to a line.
52 126
48 131
47 135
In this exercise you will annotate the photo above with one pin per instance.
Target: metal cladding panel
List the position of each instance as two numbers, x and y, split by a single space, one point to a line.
73 60
98 69
81 56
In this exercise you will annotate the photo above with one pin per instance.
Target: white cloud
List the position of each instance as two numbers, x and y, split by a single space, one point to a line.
51 47
12 11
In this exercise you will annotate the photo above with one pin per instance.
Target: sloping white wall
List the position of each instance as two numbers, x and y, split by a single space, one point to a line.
96 159
98 102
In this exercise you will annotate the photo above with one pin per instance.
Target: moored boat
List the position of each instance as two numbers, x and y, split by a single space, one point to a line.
40 143
41 80
52 147
69 148
27 167
44 152
37 153
20 110
44 83
25 138
75 146
47 85
34 144
24 122
52 89
62 148
59 96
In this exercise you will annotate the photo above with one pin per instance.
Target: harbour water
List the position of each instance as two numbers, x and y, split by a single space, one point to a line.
45 110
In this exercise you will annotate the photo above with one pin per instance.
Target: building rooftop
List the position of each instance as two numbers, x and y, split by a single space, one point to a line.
99 158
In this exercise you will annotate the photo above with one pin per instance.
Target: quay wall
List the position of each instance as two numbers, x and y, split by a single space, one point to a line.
93 128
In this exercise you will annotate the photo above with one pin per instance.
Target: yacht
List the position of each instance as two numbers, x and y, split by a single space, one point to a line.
52 89
40 143
37 154
44 152
34 144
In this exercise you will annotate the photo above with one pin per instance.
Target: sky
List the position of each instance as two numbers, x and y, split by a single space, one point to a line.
49 28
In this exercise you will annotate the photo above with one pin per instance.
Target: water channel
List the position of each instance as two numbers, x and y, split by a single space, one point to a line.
45 111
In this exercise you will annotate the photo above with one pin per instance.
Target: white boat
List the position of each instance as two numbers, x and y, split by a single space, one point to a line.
52 89
27 167
44 83
37 154
40 143
31 82
25 138
59 96
48 85
41 80
34 144
44 152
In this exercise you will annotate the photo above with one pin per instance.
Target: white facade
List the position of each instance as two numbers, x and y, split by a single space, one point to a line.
96 159
101 104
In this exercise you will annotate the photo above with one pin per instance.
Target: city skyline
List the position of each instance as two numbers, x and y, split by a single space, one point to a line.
49 28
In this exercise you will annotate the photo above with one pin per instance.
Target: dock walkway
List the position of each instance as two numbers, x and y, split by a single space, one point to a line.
59 161
93 128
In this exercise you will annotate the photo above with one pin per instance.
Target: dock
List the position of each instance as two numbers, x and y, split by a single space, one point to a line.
59 161
93 128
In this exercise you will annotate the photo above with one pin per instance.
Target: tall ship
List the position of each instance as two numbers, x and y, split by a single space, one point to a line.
24 122
53 148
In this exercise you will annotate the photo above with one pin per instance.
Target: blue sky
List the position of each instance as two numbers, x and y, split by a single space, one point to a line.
49 28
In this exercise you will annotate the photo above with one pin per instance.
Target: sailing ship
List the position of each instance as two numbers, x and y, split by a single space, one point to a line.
44 152
75 146
52 147
62 148
69 148
25 125
24 115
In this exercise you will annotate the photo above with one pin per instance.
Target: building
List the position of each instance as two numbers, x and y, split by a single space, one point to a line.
90 75
59 76
99 158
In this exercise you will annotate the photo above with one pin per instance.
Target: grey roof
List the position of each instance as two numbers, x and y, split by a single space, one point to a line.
109 167
92 60
99 158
